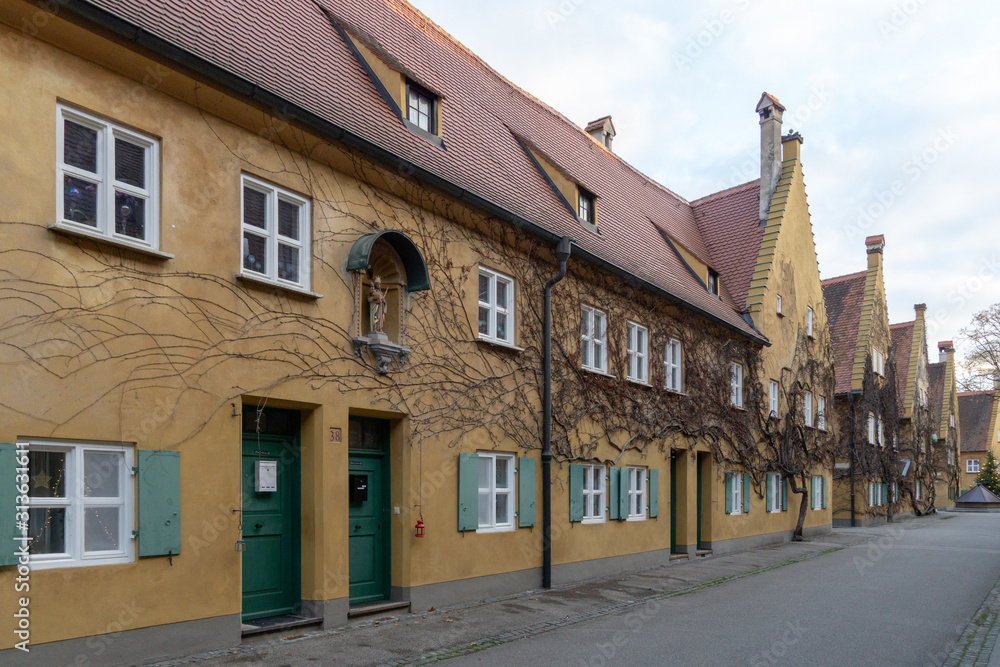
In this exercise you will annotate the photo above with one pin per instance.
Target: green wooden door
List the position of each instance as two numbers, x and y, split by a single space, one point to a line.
271 530
368 502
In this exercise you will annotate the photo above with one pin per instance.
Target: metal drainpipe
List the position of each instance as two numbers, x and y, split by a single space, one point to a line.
850 398
563 250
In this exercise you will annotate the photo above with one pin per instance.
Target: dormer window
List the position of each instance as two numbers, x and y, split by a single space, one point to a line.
713 282
421 107
585 211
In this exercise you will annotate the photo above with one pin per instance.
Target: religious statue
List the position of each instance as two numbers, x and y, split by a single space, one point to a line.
377 306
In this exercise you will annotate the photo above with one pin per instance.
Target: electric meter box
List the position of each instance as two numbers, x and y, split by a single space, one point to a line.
267 476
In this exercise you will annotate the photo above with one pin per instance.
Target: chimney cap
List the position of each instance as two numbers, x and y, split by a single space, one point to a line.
793 136
875 243
769 100
946 345
920 307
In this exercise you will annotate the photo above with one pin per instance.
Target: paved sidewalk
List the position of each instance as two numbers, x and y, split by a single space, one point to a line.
429 636
977 645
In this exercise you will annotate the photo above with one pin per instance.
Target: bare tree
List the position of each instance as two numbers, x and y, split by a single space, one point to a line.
981 367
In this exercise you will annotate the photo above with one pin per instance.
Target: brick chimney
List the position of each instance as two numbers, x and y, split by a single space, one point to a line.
602 129
769 109
946 348
875 246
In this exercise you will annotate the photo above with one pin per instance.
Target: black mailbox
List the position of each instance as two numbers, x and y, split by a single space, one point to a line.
359 488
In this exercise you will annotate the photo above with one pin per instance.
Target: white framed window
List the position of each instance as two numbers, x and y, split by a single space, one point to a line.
421 107
595 498
108 180
275 234
594 340
821 413
871 494
881 432
496 492
808 408
972 465
81 500
672 365
775 489
951 456
736 384
585 207
918 491
735 493
638 353
496 307
773 395
777 304
951 421
713 282
809 322
816 492
871 429
636 493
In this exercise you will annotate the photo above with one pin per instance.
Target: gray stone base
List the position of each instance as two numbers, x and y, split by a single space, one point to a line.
333 612
861 522
468 590
603 567
133 647
738 544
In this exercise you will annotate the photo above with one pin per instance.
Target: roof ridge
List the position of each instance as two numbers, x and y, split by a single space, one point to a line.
844 278
726 192
901 324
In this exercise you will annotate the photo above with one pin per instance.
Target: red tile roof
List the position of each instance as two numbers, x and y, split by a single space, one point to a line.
843 296
975 414
289 47
902 345
729 221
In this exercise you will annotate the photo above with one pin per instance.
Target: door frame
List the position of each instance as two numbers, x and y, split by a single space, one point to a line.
386 500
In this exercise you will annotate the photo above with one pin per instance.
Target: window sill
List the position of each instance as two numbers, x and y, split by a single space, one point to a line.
492 342
636 518
587 225
84 232
597 371
62 563
267 282
423 134
639 383
500 529
590 522
674 391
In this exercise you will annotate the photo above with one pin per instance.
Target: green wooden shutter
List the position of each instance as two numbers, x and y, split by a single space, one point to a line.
10 536
746 493
576 492
468 491
623 486
784 494
525 492
159 502
729 493
822 484
654 492
613 480
770 491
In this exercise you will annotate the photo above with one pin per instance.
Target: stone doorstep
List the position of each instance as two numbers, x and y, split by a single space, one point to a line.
288 622
703 553
369 608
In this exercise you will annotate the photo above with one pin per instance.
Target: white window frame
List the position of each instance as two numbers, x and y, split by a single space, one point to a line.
492 491
673 356
76 504
736 384
821 413
774 395
817 492
777 489
590 342
494 309
808 409
637 493
871 428
881 432
809 321
589 492
972 466
951 420
275 194
713 284
736 499
777 305
104 179
918 491
638 355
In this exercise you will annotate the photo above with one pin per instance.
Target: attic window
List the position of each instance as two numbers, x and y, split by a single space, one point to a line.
585 211
421 107
713 282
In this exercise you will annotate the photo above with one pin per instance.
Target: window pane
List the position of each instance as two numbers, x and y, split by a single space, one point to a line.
502 508
484 288
79 200
484 509
254 208
501 294
485 471
598 474
130 215
503 472
597 356
46 473
47 530
288 219
599 327
585 354
80 146
484 321
101 474
501 326
288 262
101 529
585 323
130 163
254 253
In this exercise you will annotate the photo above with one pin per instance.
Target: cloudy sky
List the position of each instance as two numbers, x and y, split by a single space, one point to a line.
898 102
